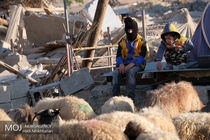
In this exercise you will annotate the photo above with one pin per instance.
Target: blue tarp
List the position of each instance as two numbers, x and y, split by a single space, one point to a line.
200 44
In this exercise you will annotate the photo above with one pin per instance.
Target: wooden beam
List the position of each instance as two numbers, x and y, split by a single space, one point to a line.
14 23
94 48
93 38
144 24
11 69
42 10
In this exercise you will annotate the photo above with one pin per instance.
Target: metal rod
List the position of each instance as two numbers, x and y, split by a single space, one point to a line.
68 47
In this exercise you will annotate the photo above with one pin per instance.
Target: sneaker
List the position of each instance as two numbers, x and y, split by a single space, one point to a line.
168 67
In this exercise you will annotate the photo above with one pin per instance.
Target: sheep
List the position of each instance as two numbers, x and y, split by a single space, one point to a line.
156 116
117 118
158 135
141 129
46 116
21 115
118 103
153 115
175 98
8 120
82 130
70 107
193 126
4 116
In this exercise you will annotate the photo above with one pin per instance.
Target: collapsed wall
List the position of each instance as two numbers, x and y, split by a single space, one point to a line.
41 29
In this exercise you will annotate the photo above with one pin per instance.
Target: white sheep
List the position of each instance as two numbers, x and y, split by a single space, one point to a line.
70 107
158 135
118 118
175 98
156 116
118 103
141 129
83 130
193 126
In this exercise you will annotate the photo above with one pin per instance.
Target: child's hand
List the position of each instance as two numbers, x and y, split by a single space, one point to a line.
159 66
176 49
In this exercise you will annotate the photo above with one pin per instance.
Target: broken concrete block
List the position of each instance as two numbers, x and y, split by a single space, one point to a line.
77 81
5 106
14 89
18 103
19 88
17 59
42 29
99 95
4 93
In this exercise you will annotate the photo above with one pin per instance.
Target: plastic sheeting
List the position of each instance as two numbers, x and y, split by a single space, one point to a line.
201 37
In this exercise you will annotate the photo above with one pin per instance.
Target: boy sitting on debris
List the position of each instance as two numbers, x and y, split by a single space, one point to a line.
131 57
174 47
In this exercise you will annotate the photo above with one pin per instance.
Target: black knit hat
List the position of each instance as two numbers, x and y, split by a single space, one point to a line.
131 24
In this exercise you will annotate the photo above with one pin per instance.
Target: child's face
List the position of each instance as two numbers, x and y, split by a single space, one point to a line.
169 39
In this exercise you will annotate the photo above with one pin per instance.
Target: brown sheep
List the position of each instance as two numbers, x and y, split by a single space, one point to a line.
156 116
141 129
193 126
4 116
175 98
21 115
8 120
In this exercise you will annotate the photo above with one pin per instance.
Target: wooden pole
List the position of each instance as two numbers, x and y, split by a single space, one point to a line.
11 69
93 38
144 24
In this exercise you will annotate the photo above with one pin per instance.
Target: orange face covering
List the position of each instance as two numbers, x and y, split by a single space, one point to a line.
178 45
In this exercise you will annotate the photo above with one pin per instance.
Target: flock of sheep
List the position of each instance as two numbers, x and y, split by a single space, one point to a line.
172 112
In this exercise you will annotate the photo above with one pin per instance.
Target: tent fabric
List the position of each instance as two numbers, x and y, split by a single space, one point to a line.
183 22
201 37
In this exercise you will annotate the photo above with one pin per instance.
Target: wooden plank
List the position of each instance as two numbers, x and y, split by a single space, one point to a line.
11 69
93 48
42 10
33 50
144 24
14 23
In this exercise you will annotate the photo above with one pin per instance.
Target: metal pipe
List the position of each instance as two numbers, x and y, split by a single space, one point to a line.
68 47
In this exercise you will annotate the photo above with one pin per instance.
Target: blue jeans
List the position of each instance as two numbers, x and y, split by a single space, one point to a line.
130 82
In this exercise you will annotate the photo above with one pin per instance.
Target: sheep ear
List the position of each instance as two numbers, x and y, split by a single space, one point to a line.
30 117
51 112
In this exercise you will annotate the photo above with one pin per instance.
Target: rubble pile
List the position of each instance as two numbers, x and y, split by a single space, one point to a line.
33 43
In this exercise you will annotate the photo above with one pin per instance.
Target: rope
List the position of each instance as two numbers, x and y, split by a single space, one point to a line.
202 26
